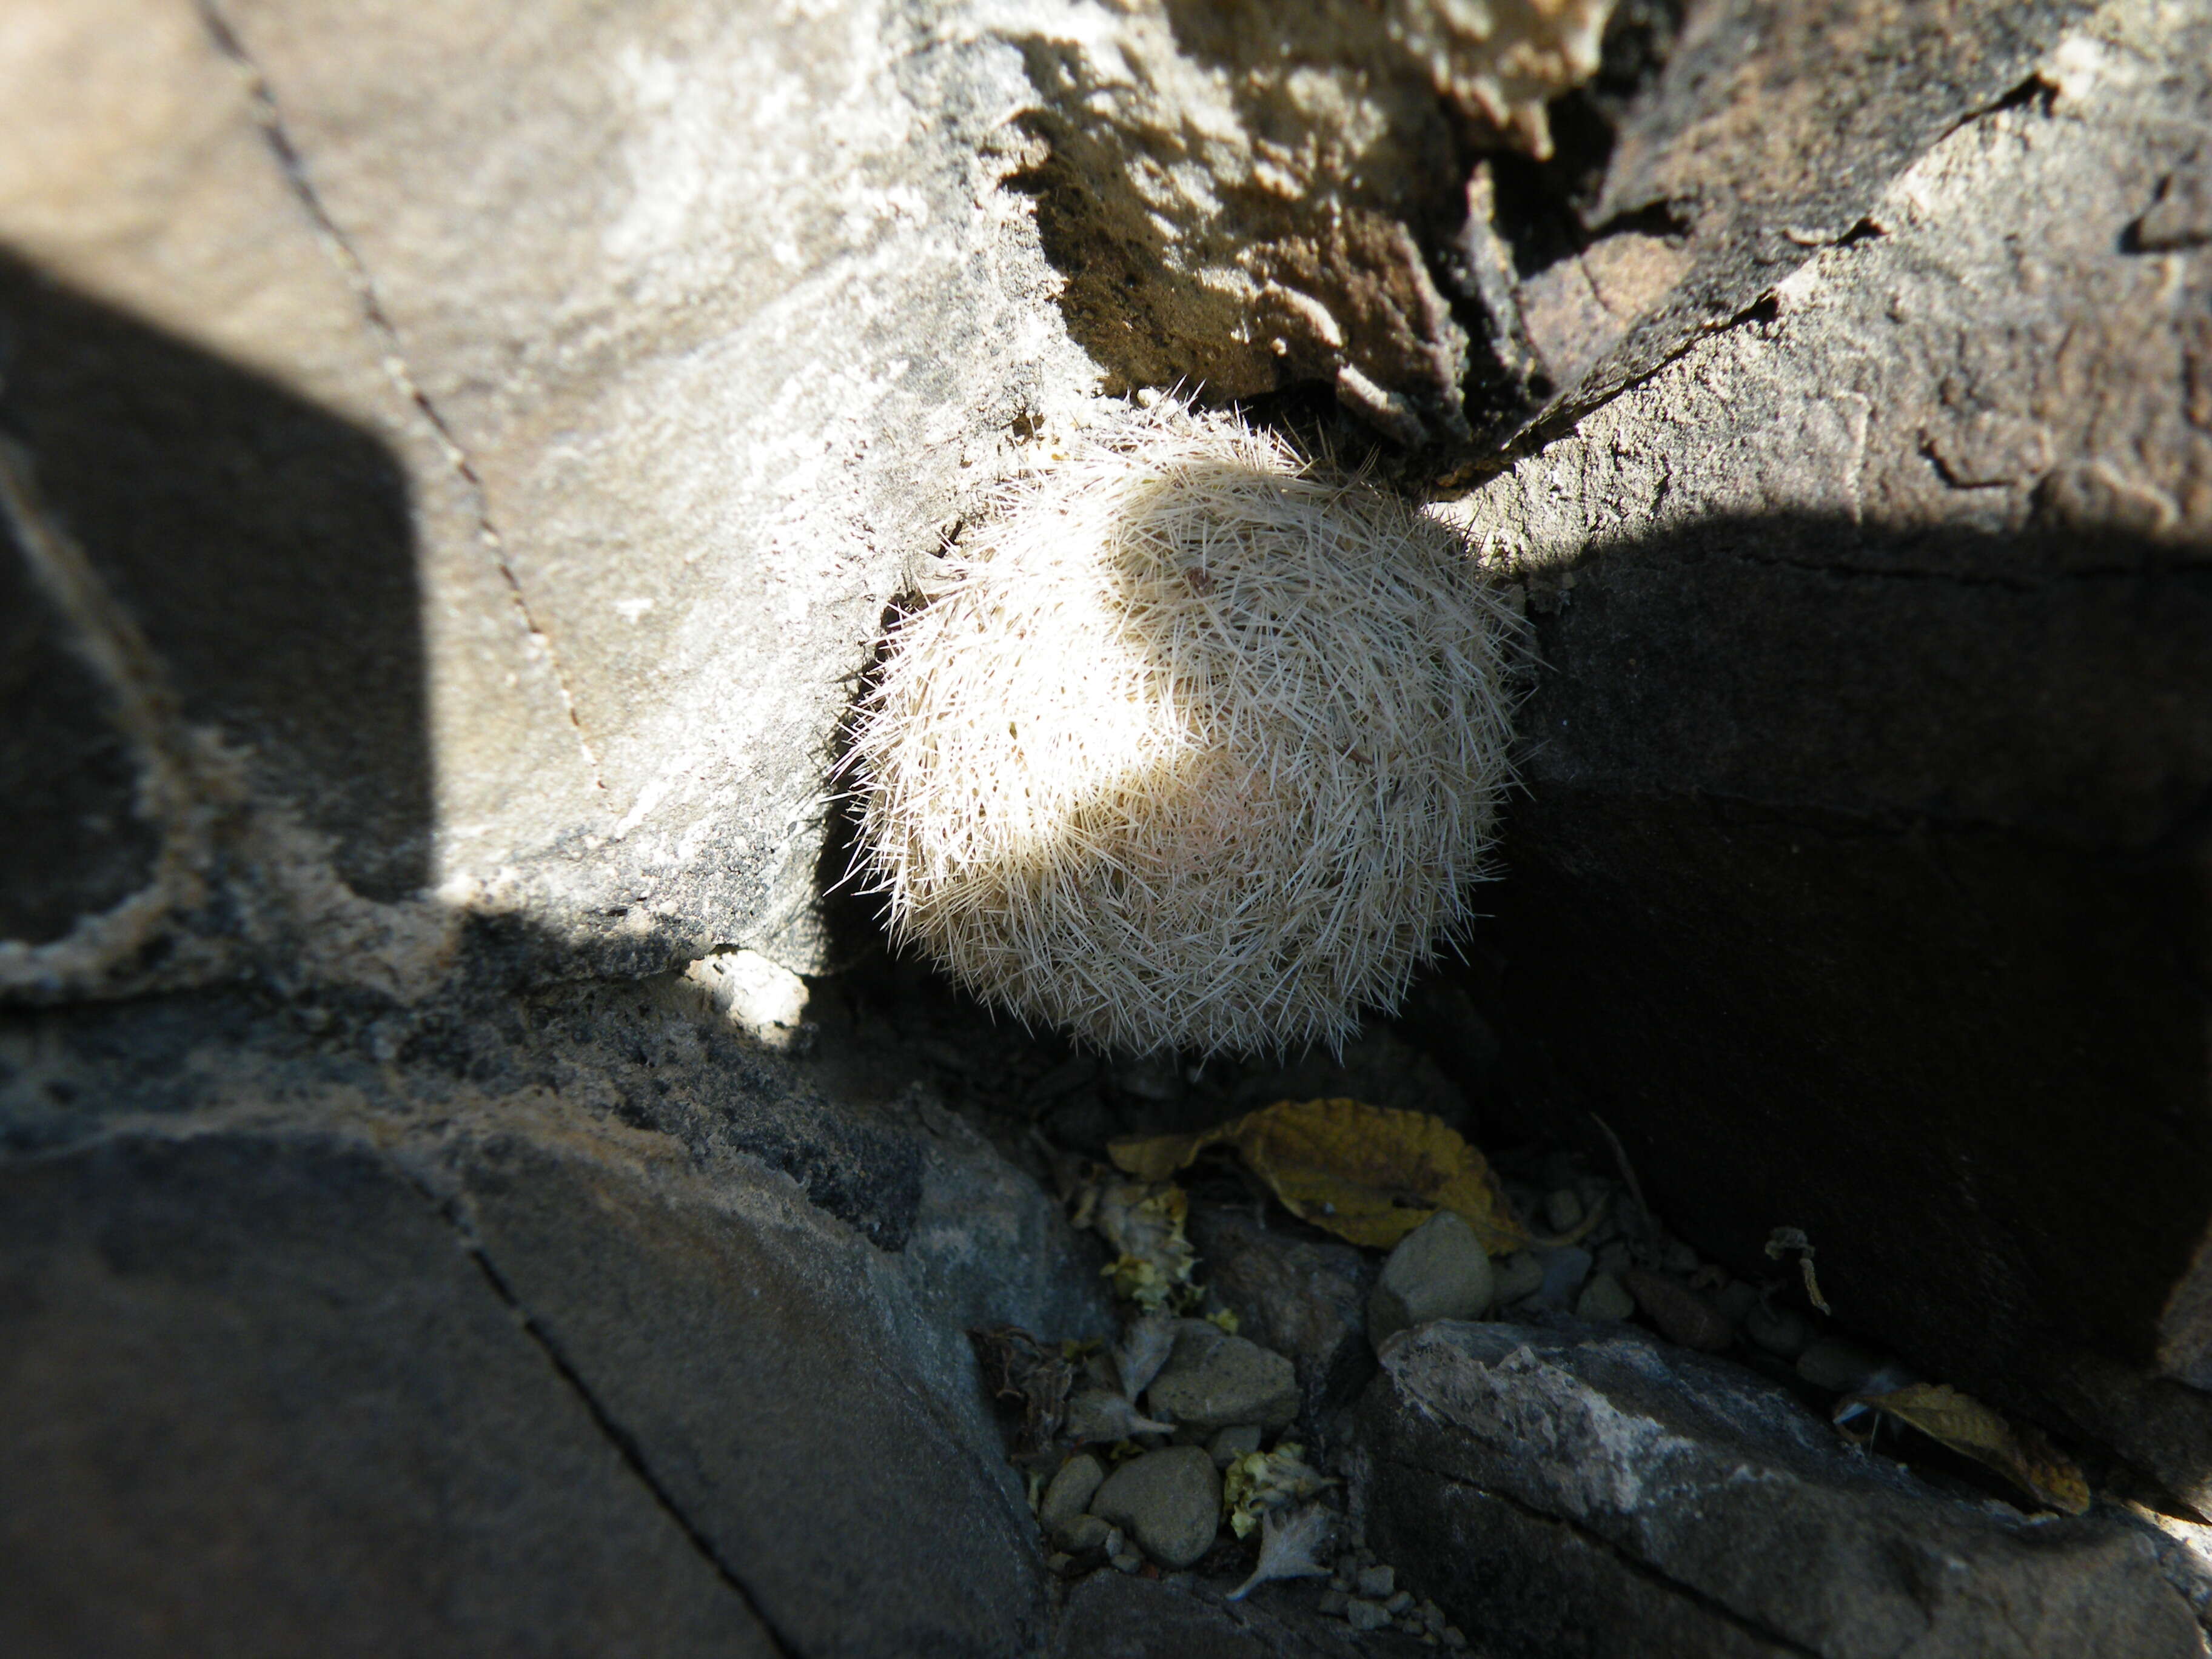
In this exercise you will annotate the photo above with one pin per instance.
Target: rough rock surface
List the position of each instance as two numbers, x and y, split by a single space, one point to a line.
1247 196
1548 1485
1302 1297
261 1404
1212 1380
611 1340
623 412
1767 133
1112 1617
1169 1500
1861 863
1438 1270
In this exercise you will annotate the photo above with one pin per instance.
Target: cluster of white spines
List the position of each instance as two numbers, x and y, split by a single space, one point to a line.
1195 744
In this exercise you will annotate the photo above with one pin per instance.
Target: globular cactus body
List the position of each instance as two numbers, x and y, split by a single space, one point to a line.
1195 744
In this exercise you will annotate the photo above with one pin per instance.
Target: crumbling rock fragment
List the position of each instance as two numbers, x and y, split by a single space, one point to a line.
1243 197
1681 1506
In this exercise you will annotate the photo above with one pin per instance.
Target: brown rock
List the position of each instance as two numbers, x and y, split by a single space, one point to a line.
1679 1312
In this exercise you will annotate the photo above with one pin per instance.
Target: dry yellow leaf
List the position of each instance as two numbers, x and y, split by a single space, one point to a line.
1368 1174
2017 1452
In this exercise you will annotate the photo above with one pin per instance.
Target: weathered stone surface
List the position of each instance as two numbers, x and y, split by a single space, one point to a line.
1110 1616
725 328
1860 870
1169 1500
510 500
1212 1380
682 1348
259 1403
1291 243
776 1399
208 412
1304 1299
1767 133
1069 1492
1438 1270
1565 1493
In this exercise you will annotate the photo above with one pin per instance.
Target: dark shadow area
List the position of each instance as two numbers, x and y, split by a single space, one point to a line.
1544 210
72 843
1858 879
264 546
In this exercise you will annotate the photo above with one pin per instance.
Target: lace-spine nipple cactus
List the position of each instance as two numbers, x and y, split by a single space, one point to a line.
1195 744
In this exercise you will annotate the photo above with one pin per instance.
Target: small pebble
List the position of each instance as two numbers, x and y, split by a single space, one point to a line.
1084 1531
1518 1275
1059 1561
1128 1561
1603 1297
1432 1615
1399 1602
1681 1314
1238 1440
1366 1615
1072 1487
1563 1209
1781 1331
1169 1499
1564 1273
1454 1637
1378 1582
1213 1380
1332 1602
1837 1365
1736 1299
1438 1270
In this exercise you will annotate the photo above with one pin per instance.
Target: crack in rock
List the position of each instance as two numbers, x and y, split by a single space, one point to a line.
392 355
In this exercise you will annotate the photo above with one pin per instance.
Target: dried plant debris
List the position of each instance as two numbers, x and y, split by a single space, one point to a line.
1143 1349
1290 1546
1142 1221
1101 1417
1369 1173
1028 1375
1260 1484
1785 1241
2014 1450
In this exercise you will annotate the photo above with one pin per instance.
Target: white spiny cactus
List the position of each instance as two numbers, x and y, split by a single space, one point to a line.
1195 744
